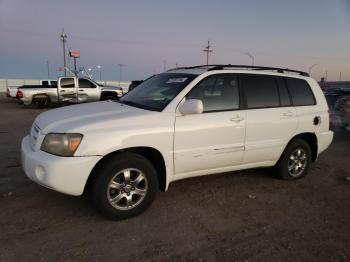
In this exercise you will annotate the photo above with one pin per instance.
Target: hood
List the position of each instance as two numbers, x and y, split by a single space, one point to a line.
84 117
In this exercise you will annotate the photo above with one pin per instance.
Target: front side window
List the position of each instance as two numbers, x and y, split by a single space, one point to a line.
300 92
84 83
67 83
158 91
260 90
217 92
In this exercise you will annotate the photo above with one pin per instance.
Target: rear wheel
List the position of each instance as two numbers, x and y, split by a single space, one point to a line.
42 101
124 186
295 161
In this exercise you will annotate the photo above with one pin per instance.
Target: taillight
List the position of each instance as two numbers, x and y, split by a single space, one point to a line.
19 94
330 119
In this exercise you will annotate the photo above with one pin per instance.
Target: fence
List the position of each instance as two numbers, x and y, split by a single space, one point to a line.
4 83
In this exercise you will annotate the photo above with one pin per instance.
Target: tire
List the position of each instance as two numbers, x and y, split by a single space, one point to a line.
124 198
42 102
295 161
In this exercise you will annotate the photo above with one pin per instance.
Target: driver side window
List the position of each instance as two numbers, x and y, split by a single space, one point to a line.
84 83
217 92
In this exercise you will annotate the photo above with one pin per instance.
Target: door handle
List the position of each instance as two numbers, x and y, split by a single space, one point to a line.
236 119
62 91
81 90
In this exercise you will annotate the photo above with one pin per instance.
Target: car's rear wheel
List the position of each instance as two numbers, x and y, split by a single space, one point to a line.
295 161
124 186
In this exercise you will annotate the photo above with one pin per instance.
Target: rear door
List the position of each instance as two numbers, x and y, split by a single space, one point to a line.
271 118
67 89
88 91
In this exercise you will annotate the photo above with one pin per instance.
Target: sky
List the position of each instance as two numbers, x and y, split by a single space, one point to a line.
148 36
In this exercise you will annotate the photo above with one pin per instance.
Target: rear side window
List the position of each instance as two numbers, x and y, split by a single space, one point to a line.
260 91
284 94
217 92
67 82
300 92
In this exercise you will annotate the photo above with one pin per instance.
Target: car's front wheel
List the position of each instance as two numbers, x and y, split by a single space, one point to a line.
124 186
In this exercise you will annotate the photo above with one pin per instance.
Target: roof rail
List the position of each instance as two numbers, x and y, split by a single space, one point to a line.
222 67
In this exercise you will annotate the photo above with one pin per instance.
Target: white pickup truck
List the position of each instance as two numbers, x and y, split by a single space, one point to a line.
182 123
12 90
68 89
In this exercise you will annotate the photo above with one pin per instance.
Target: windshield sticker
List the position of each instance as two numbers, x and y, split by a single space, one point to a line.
176 80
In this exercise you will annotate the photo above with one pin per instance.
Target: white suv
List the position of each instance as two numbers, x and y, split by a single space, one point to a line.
183 123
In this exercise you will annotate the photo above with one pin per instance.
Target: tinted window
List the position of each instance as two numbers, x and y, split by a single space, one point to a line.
218 93
84 83
67 82
45 83
284 95
260 91
300 92
54 83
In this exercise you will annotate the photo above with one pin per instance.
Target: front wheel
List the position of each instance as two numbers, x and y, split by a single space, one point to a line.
124 186
295 161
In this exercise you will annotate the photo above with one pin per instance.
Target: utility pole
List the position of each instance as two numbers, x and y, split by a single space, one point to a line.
48 69
64 40
251 56
120 72
69 58
207 50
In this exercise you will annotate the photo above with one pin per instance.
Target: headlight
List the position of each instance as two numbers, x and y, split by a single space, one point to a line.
61 144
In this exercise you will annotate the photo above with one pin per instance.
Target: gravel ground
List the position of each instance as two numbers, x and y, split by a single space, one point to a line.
239 216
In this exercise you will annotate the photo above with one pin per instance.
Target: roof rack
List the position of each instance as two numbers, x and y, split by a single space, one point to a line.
222 67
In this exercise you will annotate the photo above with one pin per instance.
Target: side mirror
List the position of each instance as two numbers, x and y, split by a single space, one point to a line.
191 106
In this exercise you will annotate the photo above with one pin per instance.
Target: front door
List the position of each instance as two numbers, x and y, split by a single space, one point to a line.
88 91
213 140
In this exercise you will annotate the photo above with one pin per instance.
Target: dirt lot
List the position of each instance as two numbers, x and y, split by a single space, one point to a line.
241 216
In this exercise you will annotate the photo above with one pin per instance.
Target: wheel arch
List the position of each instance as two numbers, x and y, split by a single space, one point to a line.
309 138
150 153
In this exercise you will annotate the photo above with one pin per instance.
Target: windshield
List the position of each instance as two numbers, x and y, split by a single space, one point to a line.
158 91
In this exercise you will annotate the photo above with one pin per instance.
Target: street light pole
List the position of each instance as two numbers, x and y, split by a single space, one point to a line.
100 67
64 40
48 69
251 56
120 72
310 68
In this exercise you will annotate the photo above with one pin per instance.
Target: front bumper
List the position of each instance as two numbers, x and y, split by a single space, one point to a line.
63 174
